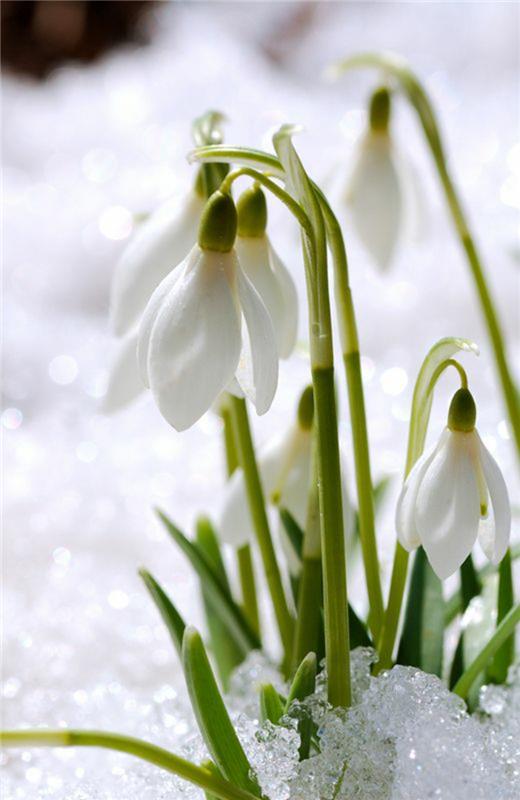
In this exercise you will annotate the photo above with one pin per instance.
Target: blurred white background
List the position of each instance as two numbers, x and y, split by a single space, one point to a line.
83 152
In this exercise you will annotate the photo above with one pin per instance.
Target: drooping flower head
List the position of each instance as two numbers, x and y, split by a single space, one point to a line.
205 328
265 269
454 495
382 193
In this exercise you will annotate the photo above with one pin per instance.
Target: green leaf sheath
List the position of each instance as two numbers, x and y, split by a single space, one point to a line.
271 706
199 776
230 613
212 717
423 632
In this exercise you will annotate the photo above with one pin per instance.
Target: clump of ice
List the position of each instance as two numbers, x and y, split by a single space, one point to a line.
406 737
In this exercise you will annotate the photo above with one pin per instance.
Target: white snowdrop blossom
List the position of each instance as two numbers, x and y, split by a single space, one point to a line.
265 269
160 243
285 465
206 329
454 495
124 380
383 194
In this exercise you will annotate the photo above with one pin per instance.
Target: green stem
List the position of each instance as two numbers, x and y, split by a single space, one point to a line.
352 361
502 633
246 573
310 596
255 496
199 776
421 103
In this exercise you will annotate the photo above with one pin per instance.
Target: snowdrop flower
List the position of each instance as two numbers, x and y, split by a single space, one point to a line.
124 380
159 244
265 269
285 471
446 500
382 194
205 328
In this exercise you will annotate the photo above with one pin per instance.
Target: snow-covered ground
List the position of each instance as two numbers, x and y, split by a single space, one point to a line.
83 153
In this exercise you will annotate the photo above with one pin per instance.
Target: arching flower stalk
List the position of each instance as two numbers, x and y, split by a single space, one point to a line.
206 327
455 494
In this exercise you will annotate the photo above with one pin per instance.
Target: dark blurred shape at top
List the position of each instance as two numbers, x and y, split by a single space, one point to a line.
38 35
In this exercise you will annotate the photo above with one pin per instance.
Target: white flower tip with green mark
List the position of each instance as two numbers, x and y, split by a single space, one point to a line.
447 492
158 245
204 326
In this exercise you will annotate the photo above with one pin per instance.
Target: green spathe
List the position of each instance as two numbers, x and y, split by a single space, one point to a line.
379 110
218 225
252 213
463 412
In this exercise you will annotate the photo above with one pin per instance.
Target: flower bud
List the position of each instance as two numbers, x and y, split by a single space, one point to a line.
463 412
218 226
379 110
252 213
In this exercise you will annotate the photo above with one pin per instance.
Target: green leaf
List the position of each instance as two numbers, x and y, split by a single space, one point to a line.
212 717
478 625
172 619
293 533
359 636
271 706
470 587
230 613
499 667
421 642
224 648
303 685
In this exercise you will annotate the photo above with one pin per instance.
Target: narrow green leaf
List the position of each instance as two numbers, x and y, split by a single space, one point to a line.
504 657
293 533
230 613
224 648
359 636
212 717
213 769
470 587
172 619
421 642
304 684
271 706
453 604
478 625
501 634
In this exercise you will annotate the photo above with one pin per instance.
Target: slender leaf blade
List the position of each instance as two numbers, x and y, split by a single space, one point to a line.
212 717
171 617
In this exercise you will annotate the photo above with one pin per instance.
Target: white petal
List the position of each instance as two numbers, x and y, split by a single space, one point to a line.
152 309
375 198
290 300
195 341
448 507
494 532
158 246
253 254
407 503
257 372
124 381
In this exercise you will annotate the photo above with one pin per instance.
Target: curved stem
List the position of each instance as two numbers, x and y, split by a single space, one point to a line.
352 361
502 633
420 101
200 776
